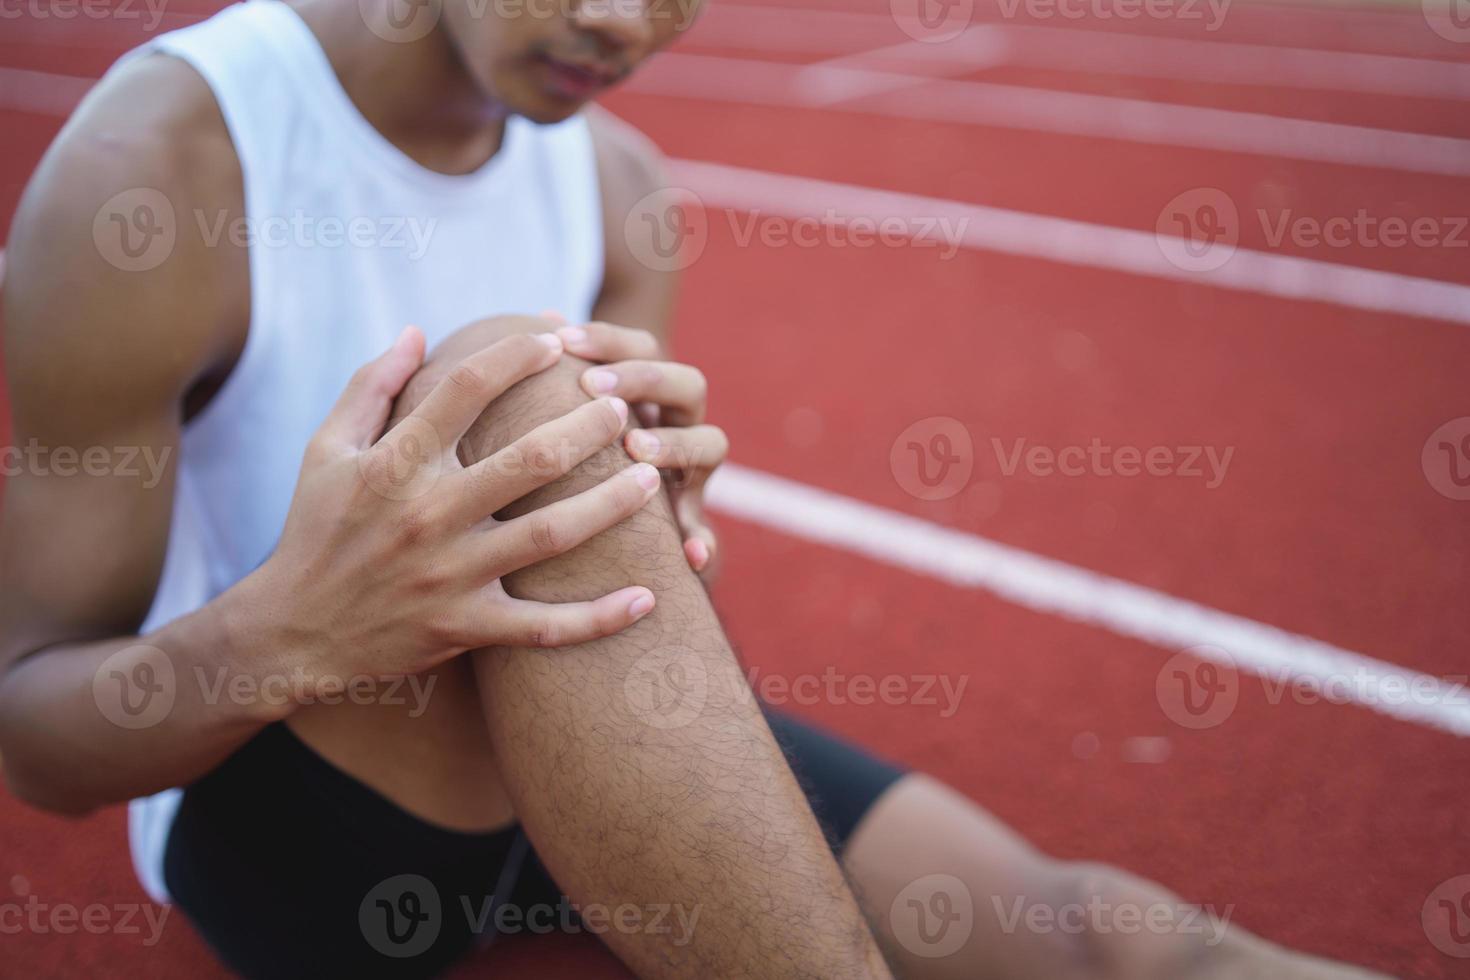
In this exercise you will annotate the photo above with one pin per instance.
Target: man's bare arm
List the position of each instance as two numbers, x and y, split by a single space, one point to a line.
100 359
107 354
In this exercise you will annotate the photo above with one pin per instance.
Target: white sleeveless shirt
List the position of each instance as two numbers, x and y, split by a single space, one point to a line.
349 240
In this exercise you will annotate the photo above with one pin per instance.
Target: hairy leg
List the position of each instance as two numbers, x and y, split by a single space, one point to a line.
640 765
954 893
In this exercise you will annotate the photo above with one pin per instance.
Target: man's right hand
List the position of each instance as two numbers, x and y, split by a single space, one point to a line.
390 561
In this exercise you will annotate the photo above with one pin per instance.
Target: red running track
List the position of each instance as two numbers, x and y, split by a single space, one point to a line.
1325 826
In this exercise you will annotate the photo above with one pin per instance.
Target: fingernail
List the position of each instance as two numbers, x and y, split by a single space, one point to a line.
641 606
553 315
550 340
600 381
644 444
646 476
572 336
698 553
619 406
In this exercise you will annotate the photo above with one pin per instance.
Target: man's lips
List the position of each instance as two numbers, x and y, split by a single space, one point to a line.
578 80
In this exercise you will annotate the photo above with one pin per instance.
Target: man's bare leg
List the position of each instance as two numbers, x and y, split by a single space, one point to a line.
640 765
956 895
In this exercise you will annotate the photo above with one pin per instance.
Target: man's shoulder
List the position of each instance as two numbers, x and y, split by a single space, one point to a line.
153 118
103 242
629 164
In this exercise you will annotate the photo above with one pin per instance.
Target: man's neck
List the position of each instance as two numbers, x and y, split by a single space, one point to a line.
418 95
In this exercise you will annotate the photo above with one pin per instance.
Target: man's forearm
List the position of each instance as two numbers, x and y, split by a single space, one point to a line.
87 724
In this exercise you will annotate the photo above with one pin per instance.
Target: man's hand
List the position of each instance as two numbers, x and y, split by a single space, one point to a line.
390 561
671 399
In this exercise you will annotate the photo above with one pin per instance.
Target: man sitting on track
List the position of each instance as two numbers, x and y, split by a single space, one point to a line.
175 288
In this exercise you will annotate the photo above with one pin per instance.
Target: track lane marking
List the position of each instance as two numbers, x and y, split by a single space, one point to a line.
1055 588
987 104
1070 242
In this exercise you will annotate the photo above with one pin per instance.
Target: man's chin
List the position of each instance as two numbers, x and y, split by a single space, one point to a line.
548 111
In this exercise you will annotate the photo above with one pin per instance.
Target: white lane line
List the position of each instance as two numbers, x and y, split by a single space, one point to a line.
1231 63
1056 588
1047 111
1073 50
992 229
1057 45
1075 242
967 103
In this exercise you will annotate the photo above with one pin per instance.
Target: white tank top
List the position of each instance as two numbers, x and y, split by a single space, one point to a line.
351 240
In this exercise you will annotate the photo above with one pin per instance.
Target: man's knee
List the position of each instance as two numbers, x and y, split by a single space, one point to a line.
534 401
